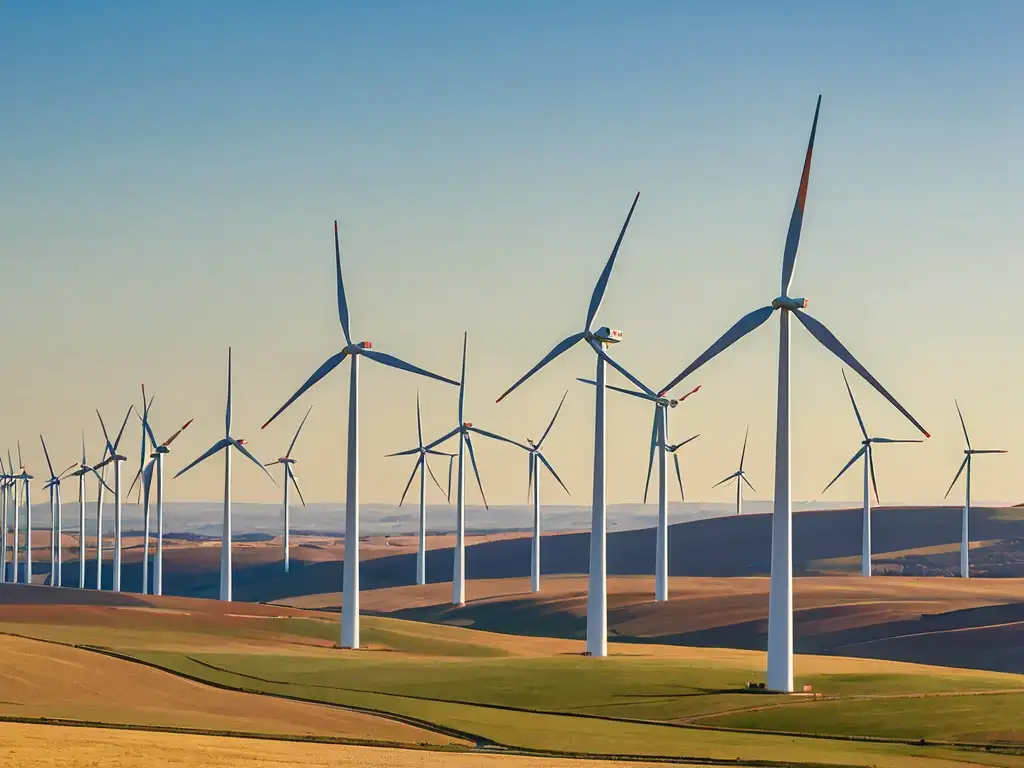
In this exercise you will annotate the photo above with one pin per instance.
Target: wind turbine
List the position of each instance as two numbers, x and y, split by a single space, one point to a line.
112 456
867 454
13 481
423 467
26 479
5 488
350 586
56 527
290 479
969 453
659 443
780 610
536 458
463 430
739 476
143 497
83 470
597 587
225 444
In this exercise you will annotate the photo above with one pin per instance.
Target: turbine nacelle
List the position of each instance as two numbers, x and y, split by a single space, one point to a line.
607 335
785 302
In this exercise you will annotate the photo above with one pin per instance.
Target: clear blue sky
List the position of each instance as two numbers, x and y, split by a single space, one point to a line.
171 173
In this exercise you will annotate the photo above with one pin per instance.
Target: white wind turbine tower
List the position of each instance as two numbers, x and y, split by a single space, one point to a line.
739 476
26 479
226 444
423 467
661 446
969 453
536 458
350 586
597 588
143 497
6 482
112 456
56 518
289 479
463 430
83 470
780 610
866 452
157 462
16 517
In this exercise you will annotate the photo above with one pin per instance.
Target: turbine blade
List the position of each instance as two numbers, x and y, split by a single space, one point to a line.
438 453
962 424
493 436
274 462
726 480
849 464
602 281
329 365
677 446
476 472
831 343
106 438
743 454
386 359
174 437
623 390
410 452
415 467
990 450
888 440
302 423
100 478
440 440
551 469
856 410
83 449
46 453
558 349
693 391
462 379
147 479
227 407
245 452
749 322
744 479
618 367
120 432
529 482
419 421
220 445
552 422
295 482
650 461
796 220
131 487
431 473
679 477
959 472
874 481
342 303
451 463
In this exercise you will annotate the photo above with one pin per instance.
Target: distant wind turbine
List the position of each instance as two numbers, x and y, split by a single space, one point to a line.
423 467
780 600
143 497
226 444
350 586
463 430
969 453
739 476
661 446
56 517
157 462
112 456
26 479
16 522
536 458
597 587
83 470
289 479
867 454
6 482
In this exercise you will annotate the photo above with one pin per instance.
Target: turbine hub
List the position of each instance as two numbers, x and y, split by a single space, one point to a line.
785 302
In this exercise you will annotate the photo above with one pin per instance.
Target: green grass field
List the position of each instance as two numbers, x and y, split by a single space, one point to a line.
535 695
